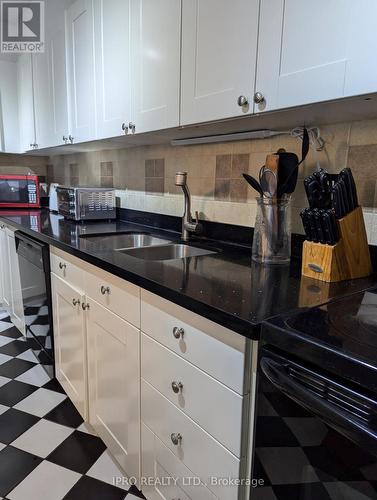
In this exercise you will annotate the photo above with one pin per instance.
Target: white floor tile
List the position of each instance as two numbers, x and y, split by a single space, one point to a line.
2 446
4 325
4 380
35 376
5 340
87 429
48 481
130 496
4 314
40 402
107 470
4 358
40 330
42 438
28 356
3 409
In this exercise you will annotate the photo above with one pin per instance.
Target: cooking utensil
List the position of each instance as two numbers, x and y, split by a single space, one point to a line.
253 183
268 182
288 167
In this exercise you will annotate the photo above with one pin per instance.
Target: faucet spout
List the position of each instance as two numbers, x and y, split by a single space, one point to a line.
188 226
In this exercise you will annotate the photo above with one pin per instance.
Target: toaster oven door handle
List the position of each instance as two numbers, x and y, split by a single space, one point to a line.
345 423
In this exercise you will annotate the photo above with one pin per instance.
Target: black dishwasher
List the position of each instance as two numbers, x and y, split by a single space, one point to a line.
34 263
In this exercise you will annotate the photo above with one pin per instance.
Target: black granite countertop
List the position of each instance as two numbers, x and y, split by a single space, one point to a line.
225 287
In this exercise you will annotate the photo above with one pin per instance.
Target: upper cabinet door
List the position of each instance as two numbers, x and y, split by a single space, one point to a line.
113 60
156 42
26 102
57 72
315 51
42 100
219 44
81 78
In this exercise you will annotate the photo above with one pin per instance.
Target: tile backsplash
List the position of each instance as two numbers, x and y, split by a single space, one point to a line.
144 176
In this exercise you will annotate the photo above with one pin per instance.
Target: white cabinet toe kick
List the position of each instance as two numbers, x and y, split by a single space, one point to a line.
170 393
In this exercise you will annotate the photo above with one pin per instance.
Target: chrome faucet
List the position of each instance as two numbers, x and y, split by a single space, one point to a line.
188 225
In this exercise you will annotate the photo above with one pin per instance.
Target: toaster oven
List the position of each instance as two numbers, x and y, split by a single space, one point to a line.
79 203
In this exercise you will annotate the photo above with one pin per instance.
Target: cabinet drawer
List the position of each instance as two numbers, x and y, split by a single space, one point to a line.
171 478
201 453
198 395
214 349
117 295
67 267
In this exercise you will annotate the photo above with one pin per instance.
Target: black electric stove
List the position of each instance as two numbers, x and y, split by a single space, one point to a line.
316 410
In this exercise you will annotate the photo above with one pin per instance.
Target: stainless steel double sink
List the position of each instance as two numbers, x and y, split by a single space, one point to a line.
146 246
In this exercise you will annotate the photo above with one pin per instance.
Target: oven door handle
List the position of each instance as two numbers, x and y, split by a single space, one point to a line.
345 423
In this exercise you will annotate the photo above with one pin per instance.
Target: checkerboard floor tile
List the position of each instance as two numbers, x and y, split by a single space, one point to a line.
46 450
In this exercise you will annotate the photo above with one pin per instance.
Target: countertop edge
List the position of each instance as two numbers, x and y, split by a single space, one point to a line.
231 322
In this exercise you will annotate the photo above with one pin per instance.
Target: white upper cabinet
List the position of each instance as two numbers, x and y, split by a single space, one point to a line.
315 51
81 75
25 102
113 60
156 40
219 45
42 100
57 72
9 116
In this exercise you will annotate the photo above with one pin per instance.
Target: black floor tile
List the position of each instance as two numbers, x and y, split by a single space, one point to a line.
91 489
53 385
12 332
14 348
15 465
273 431
315 491
78 452
15 367
13 392
65 414
13 423
136 492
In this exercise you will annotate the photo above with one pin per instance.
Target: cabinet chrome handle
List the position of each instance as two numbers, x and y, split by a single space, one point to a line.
71 139
178 332
105 290
65 139
62 265
125 128
176 386
242 101
176 438
76 302
85 306
258 98
132 127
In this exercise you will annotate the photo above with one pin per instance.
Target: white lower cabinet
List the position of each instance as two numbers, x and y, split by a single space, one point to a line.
114 392
164 475
161 396
198 451
10 287
5 270
70 342
17 308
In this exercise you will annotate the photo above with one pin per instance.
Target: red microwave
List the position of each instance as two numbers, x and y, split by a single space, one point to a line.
19 191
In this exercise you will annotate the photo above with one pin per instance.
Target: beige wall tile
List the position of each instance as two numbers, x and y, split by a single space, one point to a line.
363 132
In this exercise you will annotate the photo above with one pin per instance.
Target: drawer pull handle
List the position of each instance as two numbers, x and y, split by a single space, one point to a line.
178 332
85 306
176 438
176 386
76 302
105 290
62 265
